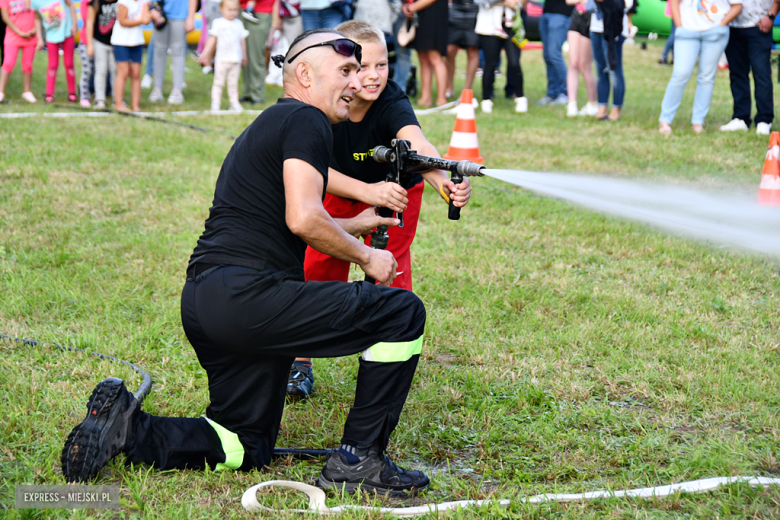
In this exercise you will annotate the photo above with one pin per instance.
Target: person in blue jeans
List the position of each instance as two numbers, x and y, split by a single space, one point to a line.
605 76
750 50
668 47
701 35
323 14
553 25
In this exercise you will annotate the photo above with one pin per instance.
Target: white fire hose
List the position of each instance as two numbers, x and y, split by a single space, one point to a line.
317 496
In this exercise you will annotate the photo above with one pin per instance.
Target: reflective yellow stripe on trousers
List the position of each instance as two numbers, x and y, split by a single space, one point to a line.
234 450
393 352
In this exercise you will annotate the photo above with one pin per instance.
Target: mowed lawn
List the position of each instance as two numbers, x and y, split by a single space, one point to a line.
565 351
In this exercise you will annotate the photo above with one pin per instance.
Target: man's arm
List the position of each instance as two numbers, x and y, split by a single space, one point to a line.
306 217
766 23
438 179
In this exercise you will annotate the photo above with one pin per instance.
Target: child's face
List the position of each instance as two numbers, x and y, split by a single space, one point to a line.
229 10
373 71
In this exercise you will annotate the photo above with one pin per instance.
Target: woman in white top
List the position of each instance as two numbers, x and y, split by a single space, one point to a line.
127 39
702 33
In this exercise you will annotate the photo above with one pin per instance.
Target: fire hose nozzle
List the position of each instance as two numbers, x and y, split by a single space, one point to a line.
383 154
470 169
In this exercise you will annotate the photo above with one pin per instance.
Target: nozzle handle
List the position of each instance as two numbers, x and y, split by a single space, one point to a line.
453 212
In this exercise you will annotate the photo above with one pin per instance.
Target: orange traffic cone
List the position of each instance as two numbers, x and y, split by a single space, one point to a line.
464 145
769 190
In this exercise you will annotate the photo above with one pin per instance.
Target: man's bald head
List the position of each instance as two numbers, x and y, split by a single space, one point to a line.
313 56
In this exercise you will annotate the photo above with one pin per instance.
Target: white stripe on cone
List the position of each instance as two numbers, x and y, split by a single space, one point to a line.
773 153
769 182
466 111
463 140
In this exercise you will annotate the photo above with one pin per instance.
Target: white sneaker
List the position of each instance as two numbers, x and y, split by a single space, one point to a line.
100 105
176 98
156 95
207 70
28 96
521 105
562 99
216 107
763 128
474 103
734 125
2 96
487 106
236 108
571 110
590 109
146 82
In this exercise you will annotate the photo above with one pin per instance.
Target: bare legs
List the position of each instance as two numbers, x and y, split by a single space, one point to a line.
123 70
472 63
432 62
580 62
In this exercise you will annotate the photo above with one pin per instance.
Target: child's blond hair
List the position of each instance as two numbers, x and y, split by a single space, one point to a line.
223 2
361 31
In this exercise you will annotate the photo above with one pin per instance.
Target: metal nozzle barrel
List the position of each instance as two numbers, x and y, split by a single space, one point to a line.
383 154
470 169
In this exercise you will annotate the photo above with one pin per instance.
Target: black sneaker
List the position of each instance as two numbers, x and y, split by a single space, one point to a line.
375 473
103 434
301 381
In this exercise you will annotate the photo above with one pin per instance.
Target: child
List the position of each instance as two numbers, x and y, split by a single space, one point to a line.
20 34
228 35
379 113
59 23
128 41
87 63
100 26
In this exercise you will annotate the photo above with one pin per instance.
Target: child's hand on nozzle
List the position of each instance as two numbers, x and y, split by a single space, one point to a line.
204 60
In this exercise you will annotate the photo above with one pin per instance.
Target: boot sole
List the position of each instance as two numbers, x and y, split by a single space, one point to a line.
99 437
352 487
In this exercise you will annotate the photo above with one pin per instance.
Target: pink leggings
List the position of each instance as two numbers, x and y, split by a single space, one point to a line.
10 54
54 63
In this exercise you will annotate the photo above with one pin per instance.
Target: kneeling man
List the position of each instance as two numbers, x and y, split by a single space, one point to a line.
248 313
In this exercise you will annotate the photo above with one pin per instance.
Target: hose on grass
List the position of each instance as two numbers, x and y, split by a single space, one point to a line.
317 497
146 387
144 116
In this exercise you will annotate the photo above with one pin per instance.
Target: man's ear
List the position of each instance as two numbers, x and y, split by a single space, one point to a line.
305 73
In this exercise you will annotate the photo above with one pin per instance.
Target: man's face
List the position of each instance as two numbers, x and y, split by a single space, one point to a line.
336 84
373 71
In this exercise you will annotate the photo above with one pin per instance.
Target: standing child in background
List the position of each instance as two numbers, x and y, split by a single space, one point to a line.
128 41
87 62
58 20
100 27
20 34
228 35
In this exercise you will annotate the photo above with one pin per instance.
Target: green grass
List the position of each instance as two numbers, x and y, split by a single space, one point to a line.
565 350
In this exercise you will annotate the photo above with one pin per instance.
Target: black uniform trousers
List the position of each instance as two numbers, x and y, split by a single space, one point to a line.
748 50
246 327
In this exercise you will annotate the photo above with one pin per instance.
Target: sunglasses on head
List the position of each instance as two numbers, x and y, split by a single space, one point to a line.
343 46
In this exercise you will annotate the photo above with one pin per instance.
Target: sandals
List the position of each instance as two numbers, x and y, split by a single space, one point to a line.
72 98
664 128
48 99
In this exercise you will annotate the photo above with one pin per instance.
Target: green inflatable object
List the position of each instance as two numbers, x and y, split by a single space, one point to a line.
650 17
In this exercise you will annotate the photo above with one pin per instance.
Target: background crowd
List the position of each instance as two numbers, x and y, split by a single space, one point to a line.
237 36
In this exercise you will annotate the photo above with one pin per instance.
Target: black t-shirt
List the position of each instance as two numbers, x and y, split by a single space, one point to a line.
353 143
558 7
105 19
246 224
